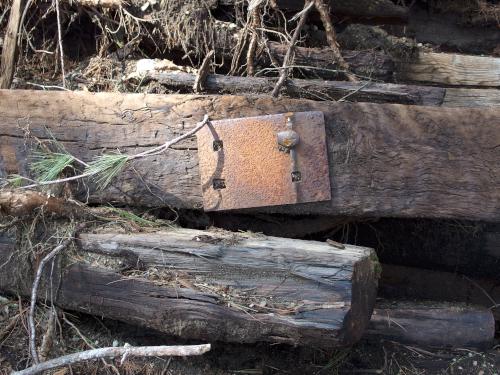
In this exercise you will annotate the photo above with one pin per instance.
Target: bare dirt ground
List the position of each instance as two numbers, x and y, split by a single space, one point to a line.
77 332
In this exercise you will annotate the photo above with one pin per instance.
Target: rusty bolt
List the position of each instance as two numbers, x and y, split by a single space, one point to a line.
288 139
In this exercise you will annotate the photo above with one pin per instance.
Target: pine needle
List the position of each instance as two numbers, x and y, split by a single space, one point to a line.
47 166
12 180
105 168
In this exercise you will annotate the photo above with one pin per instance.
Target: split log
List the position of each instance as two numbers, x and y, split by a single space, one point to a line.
9 48
301 88
433 324
219 286
189 294
385 160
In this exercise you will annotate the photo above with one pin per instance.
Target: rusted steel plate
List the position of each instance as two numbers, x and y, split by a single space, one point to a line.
242 165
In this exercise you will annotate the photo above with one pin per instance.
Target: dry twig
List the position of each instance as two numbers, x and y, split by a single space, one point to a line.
289 52
34 292
111 352
154 151
59 37
254 25
203 72
331 37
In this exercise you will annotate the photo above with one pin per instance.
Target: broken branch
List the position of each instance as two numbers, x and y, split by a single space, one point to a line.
203 72
34 292
331 37
289 52
111 352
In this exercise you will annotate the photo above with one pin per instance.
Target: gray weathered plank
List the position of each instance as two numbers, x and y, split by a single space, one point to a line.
218 285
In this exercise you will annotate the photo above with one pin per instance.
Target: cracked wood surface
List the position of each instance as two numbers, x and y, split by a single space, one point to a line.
216 285
385 159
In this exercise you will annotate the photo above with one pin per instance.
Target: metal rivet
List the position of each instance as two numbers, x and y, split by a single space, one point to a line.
219 183
217 145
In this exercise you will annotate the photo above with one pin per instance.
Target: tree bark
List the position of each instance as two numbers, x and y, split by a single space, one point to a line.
433 324
220 286
385 160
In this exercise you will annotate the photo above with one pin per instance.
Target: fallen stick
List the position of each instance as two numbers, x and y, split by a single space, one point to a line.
199 82
34 294
23 203
111 352
331 37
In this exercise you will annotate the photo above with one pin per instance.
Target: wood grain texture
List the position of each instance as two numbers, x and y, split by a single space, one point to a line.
385 160
222 286
306 88
451 69
456 97
318 89
433 324
9 48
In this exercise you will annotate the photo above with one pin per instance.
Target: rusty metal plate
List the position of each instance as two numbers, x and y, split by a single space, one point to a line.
242 165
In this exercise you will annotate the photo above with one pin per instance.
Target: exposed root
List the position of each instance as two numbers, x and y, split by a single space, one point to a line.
289 53
203 72
256 22
331 37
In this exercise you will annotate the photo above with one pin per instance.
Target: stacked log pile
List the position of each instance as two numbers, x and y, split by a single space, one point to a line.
412 132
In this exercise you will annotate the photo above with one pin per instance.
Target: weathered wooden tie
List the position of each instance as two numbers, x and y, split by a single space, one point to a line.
385 160
216 285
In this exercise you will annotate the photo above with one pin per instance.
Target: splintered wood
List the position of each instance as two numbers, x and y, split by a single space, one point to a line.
218 285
